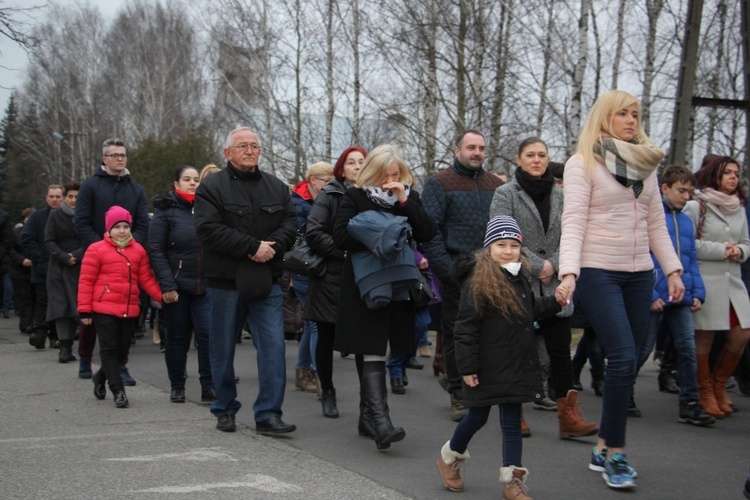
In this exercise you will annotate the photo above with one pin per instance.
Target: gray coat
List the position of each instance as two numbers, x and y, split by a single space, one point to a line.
721 278
61 239
538 245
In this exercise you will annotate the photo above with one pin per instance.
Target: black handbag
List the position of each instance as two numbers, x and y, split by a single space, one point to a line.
422 294
300 259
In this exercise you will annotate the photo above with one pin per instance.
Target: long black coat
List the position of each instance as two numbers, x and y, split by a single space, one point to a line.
323 292
61 239
500 350
360 330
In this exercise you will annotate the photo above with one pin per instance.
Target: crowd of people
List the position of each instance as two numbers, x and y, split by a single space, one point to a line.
636 255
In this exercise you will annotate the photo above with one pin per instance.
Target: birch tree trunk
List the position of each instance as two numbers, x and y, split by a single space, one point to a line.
620 42
501 69
653 10
329 80
580 69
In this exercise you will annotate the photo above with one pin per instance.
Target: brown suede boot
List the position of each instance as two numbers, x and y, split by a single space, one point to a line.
706 395
514 483
302 381
571 419
525 429
726 362
449 467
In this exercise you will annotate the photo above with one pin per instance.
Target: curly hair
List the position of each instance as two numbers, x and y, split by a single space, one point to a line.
491 288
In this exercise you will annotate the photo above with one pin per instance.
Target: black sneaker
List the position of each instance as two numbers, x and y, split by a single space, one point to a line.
692 413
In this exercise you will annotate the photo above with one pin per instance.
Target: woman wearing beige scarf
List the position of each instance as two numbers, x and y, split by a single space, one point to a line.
722 245
612 215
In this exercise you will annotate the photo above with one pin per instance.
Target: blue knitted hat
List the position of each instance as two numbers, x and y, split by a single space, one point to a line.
502 227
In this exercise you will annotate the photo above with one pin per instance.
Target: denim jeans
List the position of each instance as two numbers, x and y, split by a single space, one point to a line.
265 317
190 312
396 365
679 319
510 424
309 340
617 305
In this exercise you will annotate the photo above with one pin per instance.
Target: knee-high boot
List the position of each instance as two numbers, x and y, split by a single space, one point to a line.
725 364
376 399
705 388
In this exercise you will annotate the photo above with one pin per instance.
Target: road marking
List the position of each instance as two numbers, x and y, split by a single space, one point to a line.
87 437
204 455
255 481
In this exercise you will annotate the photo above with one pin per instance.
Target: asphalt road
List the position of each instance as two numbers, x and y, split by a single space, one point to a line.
57 441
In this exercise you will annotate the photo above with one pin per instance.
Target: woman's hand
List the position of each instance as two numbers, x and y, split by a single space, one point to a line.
86 321
547 273
71 260
170 297
471 380
564 292
676 287
397 188
424 263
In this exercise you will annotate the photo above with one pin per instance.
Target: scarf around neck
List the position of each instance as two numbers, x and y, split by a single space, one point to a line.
629 162
70 212
381 198
727 203
539 190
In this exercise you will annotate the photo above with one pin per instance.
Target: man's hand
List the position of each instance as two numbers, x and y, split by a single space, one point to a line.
170 297
265 252
471 380
26 263
71 260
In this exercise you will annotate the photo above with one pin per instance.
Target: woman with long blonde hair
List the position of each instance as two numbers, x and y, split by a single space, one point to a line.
612 216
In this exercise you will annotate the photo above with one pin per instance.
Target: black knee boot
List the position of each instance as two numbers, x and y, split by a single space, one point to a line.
66 351
376 400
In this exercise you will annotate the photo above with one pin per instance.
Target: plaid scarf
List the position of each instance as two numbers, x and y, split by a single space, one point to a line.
629 162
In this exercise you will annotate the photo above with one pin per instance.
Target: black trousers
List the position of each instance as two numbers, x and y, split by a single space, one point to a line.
114 336
451 295
25 298
40 307
556 332
324 354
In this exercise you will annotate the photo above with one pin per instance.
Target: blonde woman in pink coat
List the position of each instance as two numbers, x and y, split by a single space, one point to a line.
612 215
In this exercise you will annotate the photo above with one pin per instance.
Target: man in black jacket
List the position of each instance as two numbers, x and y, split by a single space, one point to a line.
245 221
110 185
32 241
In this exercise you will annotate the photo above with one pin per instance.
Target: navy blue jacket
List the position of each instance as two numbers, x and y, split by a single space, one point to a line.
458 199
173 246
681 231
98 194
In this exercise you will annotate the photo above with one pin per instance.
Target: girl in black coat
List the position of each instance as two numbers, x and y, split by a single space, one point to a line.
495 353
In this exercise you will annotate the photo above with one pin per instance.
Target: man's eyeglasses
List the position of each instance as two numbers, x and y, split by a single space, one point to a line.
244 147
117 156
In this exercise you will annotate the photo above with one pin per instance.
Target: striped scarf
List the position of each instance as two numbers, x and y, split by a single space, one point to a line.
629 162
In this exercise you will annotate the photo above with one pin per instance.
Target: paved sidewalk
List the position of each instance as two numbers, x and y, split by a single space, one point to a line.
58 441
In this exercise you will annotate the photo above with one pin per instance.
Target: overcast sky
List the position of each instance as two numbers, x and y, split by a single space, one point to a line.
13 59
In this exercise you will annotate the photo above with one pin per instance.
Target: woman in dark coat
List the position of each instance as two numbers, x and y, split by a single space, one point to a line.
324 290
383 185
65 254
174 251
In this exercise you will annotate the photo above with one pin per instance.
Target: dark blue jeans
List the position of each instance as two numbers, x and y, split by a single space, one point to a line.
191 311
679 319
265 318
618 306
510 424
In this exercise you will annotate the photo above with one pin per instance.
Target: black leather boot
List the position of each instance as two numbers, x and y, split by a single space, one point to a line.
376 398
365 426
597 382
328 401
66 352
